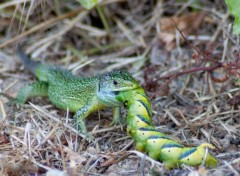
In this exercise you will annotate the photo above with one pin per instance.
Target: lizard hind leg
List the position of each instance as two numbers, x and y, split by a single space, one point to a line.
31 90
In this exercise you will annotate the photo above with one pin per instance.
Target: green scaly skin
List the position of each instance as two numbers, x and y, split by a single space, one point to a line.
156 144
80 95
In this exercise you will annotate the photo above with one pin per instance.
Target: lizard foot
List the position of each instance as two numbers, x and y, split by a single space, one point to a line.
117 121
81 127
14 102
89 137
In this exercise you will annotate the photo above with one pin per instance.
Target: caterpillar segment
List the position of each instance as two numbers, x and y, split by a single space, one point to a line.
141 136
170 154
154 143
196 156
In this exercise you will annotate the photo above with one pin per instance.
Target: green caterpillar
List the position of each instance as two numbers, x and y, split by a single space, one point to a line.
157 145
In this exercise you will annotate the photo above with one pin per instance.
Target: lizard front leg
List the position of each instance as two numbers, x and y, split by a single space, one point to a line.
79 120
117 118
31 90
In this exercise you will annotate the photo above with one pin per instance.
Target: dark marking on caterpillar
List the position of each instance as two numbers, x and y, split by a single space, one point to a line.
146 129
172 146
144 119
159 137
145 96
186 154
146 107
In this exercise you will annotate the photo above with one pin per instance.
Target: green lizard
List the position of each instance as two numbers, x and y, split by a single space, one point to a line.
80 95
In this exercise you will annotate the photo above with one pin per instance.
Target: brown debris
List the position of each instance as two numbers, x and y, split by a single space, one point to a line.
187 23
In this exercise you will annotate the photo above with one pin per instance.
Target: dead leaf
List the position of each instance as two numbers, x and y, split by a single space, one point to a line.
187 24
202 171
3 139
113 158
71 155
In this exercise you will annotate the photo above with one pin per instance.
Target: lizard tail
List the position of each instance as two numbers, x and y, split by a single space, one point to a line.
27 62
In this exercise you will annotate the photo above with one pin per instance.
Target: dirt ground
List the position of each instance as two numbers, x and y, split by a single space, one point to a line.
182 52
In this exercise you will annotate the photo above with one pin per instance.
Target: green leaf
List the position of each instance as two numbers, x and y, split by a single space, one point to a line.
88 4
233 6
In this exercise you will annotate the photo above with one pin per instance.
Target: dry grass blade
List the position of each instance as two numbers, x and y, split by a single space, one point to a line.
41 26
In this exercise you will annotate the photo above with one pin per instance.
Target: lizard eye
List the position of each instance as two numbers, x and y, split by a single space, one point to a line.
115 82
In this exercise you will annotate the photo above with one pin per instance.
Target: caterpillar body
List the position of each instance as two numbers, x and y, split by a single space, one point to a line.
156 144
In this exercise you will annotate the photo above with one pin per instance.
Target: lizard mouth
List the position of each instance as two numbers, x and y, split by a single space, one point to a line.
116 92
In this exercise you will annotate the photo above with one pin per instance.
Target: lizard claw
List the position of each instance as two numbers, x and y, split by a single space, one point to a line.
80 126
116 122
14 102
89 137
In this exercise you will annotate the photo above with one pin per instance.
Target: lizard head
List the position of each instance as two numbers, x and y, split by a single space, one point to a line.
110 84
116 81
